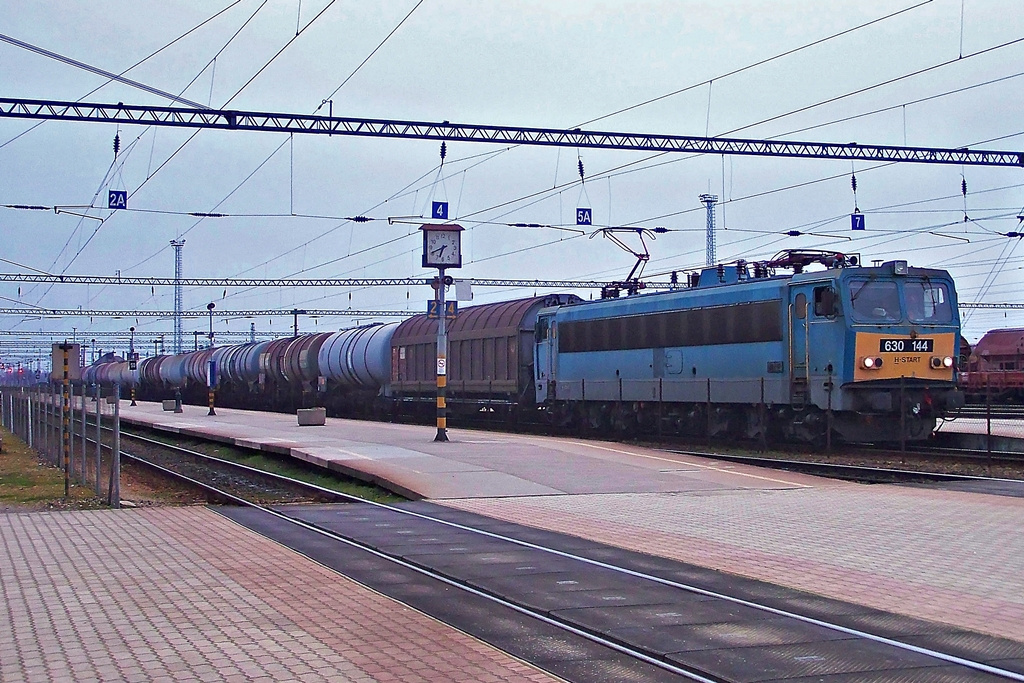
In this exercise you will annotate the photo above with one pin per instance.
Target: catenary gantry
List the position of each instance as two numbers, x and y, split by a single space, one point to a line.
514 135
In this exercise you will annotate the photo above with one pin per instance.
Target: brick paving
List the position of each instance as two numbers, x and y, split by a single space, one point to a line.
951 557
182 594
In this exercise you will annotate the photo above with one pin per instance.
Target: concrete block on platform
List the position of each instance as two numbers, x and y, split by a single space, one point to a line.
169 404
312 416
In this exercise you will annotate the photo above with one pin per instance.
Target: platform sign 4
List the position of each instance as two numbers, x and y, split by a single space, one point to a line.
856 221
584 216
117 199
451 309
439 210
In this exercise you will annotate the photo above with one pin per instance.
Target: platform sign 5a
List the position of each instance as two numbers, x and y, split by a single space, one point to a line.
584 216
439 210
451 309
117 199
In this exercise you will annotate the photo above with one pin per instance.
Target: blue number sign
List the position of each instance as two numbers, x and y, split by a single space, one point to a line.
439 210
856 221
117 199
584 216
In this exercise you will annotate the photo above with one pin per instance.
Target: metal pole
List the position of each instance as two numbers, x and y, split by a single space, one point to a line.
707 410
85 441
28 418
988 415
115 462
442 361
99 443
65 439
761 429
903 415
828 414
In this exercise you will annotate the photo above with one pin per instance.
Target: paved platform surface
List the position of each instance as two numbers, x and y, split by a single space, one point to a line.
948 556
183 594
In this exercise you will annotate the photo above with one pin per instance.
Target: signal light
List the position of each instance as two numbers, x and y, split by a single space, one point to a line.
938 363
870 363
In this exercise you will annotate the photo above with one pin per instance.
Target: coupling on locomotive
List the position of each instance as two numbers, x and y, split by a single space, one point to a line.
788 348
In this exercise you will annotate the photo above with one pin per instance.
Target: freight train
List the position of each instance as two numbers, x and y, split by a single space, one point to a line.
994 370
774 348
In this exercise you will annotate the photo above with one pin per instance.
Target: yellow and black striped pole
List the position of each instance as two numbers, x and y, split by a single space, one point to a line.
442 361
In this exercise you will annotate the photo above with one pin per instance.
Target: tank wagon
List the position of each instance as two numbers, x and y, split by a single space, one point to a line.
745 349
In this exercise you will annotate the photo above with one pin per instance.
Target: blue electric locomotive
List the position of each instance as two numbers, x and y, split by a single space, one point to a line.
869 351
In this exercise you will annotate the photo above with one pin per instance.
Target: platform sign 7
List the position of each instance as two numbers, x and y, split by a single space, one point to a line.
856 221
584 216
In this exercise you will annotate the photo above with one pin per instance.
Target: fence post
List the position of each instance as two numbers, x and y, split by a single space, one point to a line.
85 440
99 442
988 416
28 417
828 414
903 415
115 462
761 428
707 410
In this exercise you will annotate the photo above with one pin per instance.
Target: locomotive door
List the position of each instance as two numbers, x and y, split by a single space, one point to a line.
799 346
545 360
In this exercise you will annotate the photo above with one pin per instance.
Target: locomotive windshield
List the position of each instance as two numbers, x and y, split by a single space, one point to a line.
875 301
878 301
927 302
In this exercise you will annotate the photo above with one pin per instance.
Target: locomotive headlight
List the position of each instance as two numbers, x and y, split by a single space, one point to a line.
948 361
870 363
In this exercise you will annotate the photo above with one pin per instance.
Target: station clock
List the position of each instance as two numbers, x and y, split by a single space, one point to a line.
442 246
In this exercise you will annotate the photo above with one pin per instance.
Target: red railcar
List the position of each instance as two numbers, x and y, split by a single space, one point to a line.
995 366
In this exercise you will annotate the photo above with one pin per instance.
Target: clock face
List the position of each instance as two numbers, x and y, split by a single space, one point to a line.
441 248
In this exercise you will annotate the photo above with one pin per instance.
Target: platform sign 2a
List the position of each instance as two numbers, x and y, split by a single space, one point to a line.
117 199
439 210
451 309
584 216
856 221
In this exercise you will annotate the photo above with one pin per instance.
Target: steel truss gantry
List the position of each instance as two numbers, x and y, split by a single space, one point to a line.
314 282
308 312
509 135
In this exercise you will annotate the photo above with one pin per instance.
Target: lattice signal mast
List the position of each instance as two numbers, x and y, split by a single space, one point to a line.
178 304
709 201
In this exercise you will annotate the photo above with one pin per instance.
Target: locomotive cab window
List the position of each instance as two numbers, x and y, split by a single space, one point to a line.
875 301
825 303
542 329
927 302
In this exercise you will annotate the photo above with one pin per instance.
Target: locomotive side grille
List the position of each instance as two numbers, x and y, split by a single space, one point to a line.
759 321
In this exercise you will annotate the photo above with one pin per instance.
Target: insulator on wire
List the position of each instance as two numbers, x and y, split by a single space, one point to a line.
853 181
117 144
444 150
963 187
579 162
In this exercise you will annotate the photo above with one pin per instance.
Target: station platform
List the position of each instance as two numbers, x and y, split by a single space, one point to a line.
944 555
184 594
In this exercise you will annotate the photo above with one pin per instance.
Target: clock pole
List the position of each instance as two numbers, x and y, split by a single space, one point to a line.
442 360
442 249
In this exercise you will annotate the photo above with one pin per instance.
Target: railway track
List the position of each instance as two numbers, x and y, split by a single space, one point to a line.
615 605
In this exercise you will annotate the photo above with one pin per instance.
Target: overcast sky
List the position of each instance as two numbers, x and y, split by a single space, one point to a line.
539 64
